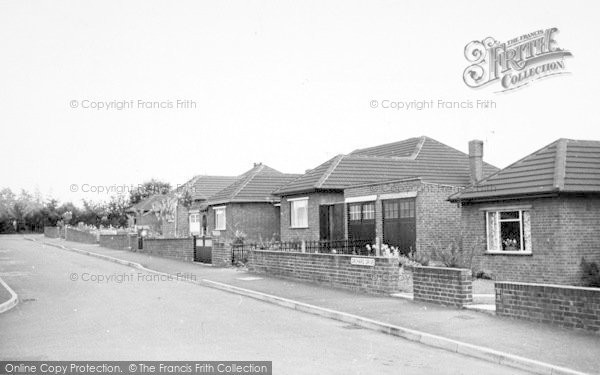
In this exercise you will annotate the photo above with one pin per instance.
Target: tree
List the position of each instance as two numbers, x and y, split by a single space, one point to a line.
115 211
147 189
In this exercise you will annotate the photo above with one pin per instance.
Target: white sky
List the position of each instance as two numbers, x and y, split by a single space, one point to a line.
287 83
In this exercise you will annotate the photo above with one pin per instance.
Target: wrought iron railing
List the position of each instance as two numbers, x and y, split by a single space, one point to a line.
351 247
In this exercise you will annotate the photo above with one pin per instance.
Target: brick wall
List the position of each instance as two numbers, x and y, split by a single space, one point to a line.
51 232
119 241
312 233
176 248
445 286
257 220
221 254
331 270
438 221
563 230
180 226
567 306
75 235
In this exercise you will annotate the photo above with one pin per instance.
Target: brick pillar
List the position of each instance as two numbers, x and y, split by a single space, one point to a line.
221 254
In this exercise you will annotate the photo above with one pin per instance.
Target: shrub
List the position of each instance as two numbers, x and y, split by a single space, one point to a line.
590 273
458 253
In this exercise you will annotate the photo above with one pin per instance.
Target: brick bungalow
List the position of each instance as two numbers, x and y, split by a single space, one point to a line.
538 217
394 193
248 206
190 219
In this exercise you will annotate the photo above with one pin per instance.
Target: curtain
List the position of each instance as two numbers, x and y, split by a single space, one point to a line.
493 230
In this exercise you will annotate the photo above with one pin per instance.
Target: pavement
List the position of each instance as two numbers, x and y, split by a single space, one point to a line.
556 346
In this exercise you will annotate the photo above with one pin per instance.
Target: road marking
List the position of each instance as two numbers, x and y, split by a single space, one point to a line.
249 278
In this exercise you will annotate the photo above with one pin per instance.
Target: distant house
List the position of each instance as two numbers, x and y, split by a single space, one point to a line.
142 213
538 217
394 193
247 208
189 213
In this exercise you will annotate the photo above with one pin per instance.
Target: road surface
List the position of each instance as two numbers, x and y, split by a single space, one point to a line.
77 307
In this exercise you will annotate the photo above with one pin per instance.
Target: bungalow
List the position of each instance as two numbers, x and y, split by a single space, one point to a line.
188 216
394 194
247 209
538 217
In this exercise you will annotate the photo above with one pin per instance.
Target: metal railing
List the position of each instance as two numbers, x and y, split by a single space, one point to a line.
350 247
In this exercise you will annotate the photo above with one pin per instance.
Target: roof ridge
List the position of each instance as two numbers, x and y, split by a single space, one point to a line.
330 169
354 156
418 148
247 180
560 163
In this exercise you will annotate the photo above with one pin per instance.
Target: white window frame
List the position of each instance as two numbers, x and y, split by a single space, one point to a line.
218 211
520 219
303 223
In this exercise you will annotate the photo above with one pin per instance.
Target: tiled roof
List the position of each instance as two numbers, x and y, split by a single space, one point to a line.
414 157
256 185
202 187
565 165
146 204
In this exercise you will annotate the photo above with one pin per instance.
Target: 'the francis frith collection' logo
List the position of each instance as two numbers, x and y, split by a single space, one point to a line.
514 63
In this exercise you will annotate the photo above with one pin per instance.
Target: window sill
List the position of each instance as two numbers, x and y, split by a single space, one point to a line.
219 229
298 227
501 252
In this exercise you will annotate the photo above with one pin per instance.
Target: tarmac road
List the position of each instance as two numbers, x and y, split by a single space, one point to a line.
76 307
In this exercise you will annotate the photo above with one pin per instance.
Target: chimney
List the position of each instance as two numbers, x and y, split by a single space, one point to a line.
476 160
257 164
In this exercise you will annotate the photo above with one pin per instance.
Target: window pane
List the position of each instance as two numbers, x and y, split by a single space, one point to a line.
220 219
407 208
509 215
510 232
369 211
354 210
299 213
390 209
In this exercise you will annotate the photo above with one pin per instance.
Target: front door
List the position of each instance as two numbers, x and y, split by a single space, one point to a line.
331 222
399 224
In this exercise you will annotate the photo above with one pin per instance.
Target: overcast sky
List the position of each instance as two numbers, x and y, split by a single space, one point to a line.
286 83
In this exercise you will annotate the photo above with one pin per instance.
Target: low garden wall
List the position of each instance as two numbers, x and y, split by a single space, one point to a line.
445 286
365 274
567 306
119 241
72 234
52 232
176 248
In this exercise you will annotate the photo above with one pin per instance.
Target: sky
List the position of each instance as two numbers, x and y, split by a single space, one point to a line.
286 83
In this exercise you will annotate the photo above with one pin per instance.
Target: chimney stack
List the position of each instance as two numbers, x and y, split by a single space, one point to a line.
476 160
